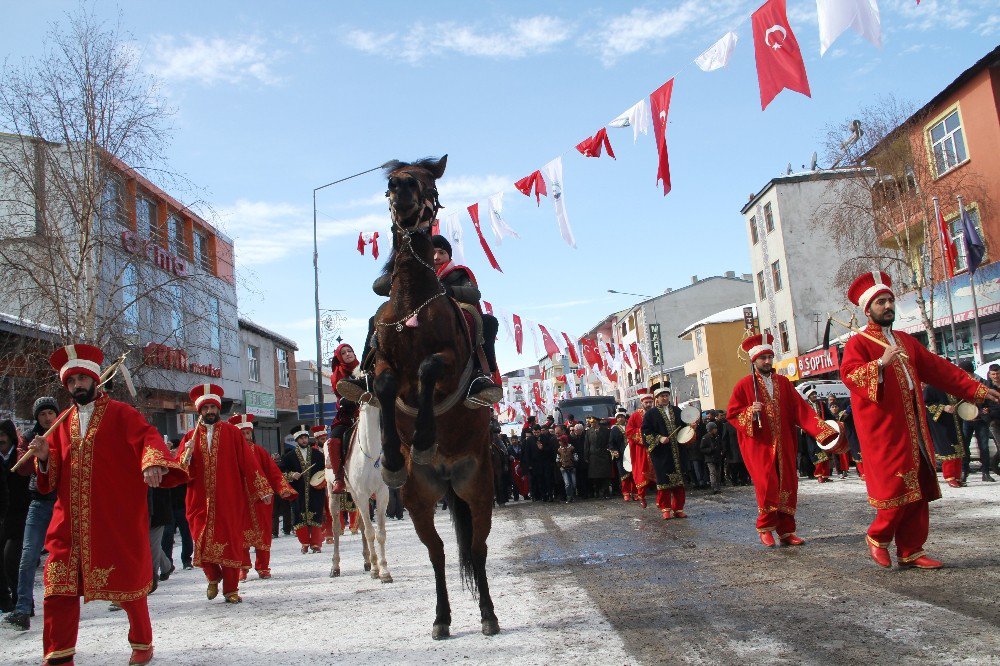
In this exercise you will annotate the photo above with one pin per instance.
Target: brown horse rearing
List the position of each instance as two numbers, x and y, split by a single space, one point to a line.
433 445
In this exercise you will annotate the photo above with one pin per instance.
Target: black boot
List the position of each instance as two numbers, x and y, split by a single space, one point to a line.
987 477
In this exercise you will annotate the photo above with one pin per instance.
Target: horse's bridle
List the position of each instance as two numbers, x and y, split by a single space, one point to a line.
430 204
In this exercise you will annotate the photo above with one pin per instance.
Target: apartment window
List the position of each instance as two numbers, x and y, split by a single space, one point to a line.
631 322
754 238
253 363
203 254
176 292
783 335
705 386
624 328
145 219
776 275
214 323
699 342
948 143
768 218
130 301
958 237
760 286
178 245
282 367
111 201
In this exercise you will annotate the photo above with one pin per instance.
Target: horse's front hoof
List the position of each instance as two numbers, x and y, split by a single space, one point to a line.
491 627
368 567
440 631
385 578
335 572
393 479
423 456
374 574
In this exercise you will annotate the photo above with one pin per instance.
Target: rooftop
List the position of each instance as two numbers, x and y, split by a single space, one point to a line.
726 316
267 333
801 177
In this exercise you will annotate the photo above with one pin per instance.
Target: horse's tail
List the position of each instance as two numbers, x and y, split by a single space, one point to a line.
461 518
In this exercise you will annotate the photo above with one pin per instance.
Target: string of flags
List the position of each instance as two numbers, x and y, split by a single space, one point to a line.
366 238
780 66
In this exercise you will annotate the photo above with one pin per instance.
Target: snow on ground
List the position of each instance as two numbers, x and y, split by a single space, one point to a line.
303 616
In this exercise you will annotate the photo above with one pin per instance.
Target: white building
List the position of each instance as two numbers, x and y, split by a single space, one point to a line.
793 260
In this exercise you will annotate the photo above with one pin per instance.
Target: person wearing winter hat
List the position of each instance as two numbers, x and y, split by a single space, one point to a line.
37 520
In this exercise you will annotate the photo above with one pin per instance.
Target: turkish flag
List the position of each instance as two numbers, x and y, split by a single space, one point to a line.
536 392
591 355
551 348
779 59
488 307
660 103
474 214
622 355
532 181
950 251
361 242
571 349
634 349
518 334
592 146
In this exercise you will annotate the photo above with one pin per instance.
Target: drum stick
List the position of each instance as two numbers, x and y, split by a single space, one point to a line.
862 333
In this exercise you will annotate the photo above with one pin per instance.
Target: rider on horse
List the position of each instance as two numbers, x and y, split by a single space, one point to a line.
460 284
343 364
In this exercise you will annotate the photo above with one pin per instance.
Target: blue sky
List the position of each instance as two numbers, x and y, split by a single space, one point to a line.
274 99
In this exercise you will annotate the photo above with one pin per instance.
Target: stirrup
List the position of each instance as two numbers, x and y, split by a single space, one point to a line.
356 389
485 397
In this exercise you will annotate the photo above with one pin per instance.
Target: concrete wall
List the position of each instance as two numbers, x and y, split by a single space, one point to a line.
719 344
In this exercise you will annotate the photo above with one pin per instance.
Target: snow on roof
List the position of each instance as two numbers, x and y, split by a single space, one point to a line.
28 324
731 314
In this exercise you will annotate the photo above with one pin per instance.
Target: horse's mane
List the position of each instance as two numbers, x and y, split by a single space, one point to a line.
395 165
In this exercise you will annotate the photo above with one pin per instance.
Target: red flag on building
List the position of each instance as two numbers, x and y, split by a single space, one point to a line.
532 181
571 350
592 146
660 103
590 353
950 251
518 334
551 348
536 392
779 59
634 350
622 355
474 214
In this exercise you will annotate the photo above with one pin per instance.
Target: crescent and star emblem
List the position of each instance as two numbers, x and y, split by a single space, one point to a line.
773 29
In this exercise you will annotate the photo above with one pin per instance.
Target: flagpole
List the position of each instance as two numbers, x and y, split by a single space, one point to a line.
972 285
948 276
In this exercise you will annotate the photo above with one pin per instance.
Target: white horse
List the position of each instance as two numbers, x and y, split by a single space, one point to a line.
364 479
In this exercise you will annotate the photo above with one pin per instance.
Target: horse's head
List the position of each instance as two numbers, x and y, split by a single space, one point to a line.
412 192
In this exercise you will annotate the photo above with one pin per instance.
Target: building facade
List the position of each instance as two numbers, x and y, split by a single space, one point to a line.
269 383
716 367
308 395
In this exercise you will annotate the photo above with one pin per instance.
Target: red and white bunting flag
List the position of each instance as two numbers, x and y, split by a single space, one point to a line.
634 350
779 58
592 146
591 354
551 348
499 225
474 214
361 243
518 334
536 393
532 181
718 54
637 117
488 307
571 350
836 16
533 327
660 102
553 174
368 238
623 356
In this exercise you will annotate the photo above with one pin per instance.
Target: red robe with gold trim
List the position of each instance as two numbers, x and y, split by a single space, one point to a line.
889 415
218 508
642 467
263 513
99 532
769 450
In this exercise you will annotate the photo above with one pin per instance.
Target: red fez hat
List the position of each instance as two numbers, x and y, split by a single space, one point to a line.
205 393
319 430
77 360
242 421
758 345
867 287
644 393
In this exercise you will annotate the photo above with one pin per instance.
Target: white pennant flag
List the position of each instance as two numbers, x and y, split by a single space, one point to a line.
571 385
451 228
717 55
505 319
836 16
499 225
637 118
554 182
534 337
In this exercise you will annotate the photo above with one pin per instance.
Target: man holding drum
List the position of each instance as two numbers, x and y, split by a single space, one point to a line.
300 465
884 370
661 428
766 409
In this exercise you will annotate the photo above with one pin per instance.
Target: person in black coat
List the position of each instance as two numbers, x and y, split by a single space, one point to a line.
659 426
714 453
946 433
736 471
12 534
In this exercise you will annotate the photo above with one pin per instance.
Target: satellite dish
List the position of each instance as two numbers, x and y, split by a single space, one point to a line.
788 169
813 162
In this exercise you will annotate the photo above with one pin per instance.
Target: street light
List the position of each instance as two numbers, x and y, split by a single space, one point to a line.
319 337
659 368
628 293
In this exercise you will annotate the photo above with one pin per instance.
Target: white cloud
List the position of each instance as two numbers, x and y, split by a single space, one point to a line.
643 29
456 191
266 232
212 60
520 38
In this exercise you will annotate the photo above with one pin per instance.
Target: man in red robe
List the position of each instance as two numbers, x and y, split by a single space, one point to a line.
642 467
885 380
765 410
263 511
99 461
222 468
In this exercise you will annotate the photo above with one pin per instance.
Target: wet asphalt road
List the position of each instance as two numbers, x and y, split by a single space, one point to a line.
703 589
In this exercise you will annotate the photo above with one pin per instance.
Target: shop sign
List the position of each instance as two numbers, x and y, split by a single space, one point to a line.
171 358
163 259
260 404
749 321
787 368
819 362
